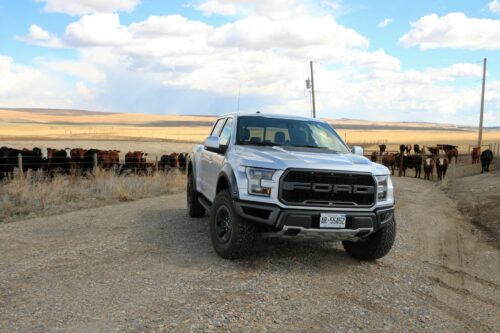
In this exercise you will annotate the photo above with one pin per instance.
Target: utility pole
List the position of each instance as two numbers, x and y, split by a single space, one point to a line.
312 90
480 139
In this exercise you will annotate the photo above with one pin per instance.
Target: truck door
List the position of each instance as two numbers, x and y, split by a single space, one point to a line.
217 159
203 167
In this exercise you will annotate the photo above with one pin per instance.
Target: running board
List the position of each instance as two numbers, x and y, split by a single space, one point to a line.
204 202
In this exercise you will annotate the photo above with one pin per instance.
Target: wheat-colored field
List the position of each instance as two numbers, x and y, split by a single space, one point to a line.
157 134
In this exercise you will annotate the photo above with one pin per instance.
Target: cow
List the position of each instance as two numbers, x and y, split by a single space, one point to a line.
433 150
58 160
412 162
429 163
170 161
389 160
374 157
135 160
88 159
408 149
452 153
382 148
416 148
475 154
402 148
441 167
183 161
76 159
486 158
31 160
110 159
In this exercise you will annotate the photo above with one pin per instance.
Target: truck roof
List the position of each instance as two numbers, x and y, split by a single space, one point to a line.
267 115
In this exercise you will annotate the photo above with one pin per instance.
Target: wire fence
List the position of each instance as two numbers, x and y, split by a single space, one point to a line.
17 166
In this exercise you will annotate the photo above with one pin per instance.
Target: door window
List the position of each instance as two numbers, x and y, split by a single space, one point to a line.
217 127
226 132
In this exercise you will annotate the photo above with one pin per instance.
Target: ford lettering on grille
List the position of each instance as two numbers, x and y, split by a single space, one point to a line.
320 188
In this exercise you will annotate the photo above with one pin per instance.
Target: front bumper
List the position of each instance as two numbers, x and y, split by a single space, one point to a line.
305 223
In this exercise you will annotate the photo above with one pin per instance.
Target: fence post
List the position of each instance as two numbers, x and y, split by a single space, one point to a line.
20 166
156 163
95 163
469 149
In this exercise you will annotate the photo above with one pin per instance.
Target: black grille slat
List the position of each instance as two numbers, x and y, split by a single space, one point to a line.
295 195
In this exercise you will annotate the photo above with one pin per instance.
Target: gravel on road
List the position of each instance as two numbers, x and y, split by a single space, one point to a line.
146 266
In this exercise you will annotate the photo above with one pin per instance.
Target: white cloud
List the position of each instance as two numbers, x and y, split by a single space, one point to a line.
384 23
23 86
454 30
39 36
82 7
494 6
189 66
96 30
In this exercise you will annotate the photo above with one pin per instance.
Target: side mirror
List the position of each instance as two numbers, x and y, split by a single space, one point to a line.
357 150
212 143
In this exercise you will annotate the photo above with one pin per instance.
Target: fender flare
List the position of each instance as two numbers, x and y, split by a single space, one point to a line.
191 164
228 173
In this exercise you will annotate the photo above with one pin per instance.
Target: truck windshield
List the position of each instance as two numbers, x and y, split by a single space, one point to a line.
265 131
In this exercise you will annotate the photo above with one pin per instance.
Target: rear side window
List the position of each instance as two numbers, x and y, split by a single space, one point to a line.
226 132
217 127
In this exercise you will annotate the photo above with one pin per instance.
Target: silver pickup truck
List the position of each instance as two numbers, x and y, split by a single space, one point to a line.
284 176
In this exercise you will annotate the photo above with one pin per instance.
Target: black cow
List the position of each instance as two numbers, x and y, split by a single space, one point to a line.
88 160
416 148
183 161
412 162
486 158
31 160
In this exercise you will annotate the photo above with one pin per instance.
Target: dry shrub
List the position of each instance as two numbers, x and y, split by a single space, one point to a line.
38 195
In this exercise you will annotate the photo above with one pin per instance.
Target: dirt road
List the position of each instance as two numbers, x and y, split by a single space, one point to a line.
145 266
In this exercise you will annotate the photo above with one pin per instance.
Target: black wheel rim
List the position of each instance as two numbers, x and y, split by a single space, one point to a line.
223 224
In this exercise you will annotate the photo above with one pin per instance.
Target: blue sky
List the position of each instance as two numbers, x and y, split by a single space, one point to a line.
377 60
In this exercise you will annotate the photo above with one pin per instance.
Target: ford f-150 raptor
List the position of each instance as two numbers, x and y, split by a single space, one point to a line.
289 177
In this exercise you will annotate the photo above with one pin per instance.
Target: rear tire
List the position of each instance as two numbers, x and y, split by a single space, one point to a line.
232 237
195 209
375 246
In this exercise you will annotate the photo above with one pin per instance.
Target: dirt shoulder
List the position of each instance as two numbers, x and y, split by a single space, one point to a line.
146 266
478 197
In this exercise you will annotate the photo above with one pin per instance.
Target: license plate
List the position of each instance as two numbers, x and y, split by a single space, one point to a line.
327 220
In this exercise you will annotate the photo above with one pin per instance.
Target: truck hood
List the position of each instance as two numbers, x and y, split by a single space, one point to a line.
282 158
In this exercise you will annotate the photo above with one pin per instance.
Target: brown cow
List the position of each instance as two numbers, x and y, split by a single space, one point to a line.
429 163
170 161
374 157
441 167
76 158
389 160
475 154
433 150
452 153
136 161
109 158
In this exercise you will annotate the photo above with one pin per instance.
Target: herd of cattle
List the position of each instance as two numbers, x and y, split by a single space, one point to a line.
83 161
428 158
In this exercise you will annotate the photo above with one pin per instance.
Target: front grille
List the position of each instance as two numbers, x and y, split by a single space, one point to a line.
328 189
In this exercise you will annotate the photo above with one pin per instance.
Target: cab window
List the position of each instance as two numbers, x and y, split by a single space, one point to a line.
226 132
217 127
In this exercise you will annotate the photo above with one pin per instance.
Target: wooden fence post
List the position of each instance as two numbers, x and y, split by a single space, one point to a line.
156 163
95 163
20 165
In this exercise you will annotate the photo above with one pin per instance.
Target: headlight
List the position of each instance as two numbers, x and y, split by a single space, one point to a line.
382 184
255 177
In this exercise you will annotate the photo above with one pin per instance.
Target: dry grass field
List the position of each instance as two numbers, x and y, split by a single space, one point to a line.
75 128
39 195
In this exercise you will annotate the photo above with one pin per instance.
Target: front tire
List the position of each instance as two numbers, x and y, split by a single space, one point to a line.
195 209
232 237
375 246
